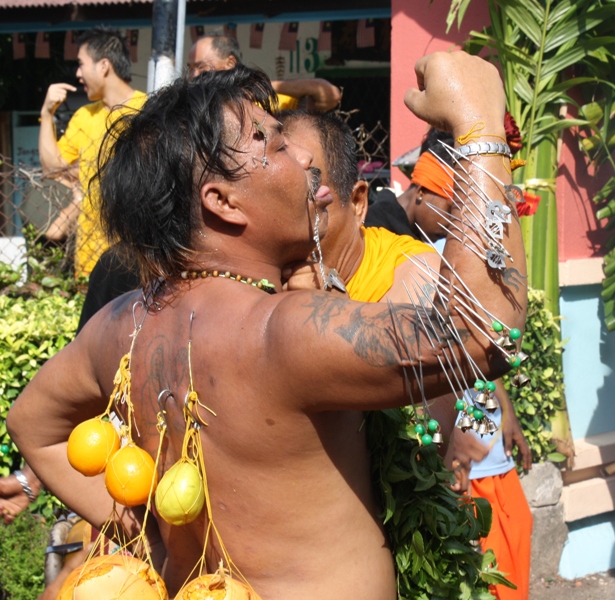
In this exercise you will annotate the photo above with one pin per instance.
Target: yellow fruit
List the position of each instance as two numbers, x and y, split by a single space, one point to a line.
90 446
219 586
129 475
180 495
113 577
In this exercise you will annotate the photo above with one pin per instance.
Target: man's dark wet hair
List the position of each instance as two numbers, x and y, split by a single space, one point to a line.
154 162
339 148
104 42
433 141
225 46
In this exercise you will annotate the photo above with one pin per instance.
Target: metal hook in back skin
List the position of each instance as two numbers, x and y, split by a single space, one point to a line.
163 396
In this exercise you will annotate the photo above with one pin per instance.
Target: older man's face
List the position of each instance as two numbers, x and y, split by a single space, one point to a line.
341 217
204 57
278 187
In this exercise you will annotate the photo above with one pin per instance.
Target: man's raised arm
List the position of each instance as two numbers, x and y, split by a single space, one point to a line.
325 95
49 153
482 278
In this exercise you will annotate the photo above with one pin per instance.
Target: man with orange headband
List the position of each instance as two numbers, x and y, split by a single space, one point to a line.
492 474
431 184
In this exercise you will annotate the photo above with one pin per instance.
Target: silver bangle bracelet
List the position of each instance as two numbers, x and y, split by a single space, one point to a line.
23 481
484 148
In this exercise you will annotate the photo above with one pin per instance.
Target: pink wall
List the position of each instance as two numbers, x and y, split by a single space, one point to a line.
419 28
579 234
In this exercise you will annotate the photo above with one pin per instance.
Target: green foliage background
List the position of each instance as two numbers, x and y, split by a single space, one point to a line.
37 320
22 557
433 530
537 403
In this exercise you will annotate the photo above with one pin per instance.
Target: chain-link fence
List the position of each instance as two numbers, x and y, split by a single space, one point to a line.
39 209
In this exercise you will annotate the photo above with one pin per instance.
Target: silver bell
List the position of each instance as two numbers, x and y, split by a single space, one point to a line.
475 425
465 423
437 438
522 355
520 379
481 398
482 429
492 404
491 427
502 341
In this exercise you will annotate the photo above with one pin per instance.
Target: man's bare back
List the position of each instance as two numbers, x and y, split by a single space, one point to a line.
286 375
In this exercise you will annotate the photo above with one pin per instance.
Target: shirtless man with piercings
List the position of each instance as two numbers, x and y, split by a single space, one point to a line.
286 374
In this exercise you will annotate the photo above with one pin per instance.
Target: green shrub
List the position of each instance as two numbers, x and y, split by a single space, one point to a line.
22 557
537 403
38 317
434 531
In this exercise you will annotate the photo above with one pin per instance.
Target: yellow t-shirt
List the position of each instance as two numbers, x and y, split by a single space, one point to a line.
384 251
81 142
287 102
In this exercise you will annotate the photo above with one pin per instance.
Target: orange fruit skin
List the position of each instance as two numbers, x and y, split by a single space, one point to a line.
90 445
209 587
129 475
113 577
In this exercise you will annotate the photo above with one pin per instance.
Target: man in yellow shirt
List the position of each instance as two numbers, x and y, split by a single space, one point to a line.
104 72
221 52
373 264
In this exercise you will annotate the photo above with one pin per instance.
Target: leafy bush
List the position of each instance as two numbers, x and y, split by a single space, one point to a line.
433 531
38 319
33 330
537 403
22 557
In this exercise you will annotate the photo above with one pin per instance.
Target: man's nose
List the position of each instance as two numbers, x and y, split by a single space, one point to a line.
303 156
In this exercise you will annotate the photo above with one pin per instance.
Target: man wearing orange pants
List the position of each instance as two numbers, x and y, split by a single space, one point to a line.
494 477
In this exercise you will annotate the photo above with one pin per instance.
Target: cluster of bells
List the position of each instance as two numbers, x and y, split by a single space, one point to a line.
431 435
474 416
509 343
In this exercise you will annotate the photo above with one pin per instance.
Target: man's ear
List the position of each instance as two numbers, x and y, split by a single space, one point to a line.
230 62
104 66
358 200
217 198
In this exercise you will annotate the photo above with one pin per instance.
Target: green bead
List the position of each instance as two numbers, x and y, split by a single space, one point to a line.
433 425
418 428
478 414
4 449
460 404
491 386
497 326
514 334
479 385
515 361
426 439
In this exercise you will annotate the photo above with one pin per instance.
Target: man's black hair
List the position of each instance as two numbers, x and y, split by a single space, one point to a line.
225 46
433 141
104 42
154 162
339 148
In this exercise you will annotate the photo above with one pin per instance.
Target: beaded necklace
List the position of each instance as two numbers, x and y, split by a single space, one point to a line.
261 284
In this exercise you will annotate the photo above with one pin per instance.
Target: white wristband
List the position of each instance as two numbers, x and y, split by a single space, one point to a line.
476 148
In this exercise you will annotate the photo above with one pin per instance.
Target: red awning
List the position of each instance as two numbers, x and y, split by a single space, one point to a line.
42 3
